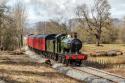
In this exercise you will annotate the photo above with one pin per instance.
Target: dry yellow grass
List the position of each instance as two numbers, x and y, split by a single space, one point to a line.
104 47
21 69
108 60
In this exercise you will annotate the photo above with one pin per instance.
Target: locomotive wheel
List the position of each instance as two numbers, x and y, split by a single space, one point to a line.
63 60
79 63
48 55
51 56
67 62
60 59
38 52
43 55
56 59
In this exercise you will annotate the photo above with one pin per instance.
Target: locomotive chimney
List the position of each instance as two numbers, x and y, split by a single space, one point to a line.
75 35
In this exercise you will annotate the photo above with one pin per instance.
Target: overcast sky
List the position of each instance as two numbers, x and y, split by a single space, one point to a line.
49 9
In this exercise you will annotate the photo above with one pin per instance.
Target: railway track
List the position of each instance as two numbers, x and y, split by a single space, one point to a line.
102 74
88 74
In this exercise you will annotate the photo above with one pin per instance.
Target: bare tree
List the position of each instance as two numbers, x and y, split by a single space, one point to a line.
2 15
20 18
11 26
5 21
96 18
7 29
61 27
51 27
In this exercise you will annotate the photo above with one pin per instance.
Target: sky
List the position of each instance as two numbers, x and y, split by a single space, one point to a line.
42 10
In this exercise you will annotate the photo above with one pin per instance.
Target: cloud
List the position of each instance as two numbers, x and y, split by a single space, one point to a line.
117 8
27 1
54 9
65 8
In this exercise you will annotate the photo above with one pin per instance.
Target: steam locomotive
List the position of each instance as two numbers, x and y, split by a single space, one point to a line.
63 48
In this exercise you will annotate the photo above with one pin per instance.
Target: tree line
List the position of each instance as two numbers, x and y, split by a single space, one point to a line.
12 23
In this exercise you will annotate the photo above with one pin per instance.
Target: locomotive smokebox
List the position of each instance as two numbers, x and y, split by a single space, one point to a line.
76 45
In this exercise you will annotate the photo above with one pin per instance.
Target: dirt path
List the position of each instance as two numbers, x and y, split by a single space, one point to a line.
22 69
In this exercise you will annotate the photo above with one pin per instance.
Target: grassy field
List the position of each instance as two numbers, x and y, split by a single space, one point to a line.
112 60
104 47
22 69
